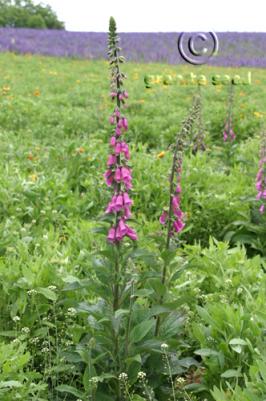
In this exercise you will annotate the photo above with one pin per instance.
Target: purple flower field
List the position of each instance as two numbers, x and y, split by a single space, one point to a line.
235 49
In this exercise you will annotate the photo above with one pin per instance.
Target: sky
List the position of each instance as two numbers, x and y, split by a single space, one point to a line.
161 16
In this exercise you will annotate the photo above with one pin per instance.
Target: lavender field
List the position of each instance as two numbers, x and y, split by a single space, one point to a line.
235 49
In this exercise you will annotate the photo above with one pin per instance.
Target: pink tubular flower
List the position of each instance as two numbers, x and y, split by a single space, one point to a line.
111 120
118 131
118 175
228 131
109 178
125 123
163 217
178 225
112 141
117 112
111 160
111 235
225 136
176 215
131 234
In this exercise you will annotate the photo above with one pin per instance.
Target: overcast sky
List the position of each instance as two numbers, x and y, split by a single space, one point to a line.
162 16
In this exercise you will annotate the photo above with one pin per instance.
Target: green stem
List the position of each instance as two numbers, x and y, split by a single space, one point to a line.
129 319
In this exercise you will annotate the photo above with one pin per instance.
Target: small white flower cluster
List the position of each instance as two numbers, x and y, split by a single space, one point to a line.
239 290
34 340
16 319
141 375
180 380
94 380
25 330
52 287
71 312
123 376
31 292
164 347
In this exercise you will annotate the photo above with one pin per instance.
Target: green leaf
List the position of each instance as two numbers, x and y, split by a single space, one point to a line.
237 344
47 293
237 341
137 397
141 330
9 333
144 292
206 352
11 384
231 373
142 254
103 397
64 388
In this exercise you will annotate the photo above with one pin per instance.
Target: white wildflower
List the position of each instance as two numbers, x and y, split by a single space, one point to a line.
141 375
123 376
164 347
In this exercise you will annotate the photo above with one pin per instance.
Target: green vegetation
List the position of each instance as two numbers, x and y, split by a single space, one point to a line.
55 328
26 14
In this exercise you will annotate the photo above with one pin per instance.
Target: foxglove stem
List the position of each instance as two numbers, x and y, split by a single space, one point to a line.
198 139
174 196
228 129
261 176
118 173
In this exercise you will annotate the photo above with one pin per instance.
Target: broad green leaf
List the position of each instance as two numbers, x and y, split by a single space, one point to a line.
141 330
64 388
47 293
231 373
10 383
206 352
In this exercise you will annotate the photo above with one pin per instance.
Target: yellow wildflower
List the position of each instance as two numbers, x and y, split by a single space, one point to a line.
80 150
161 155
5 89
33 177
36 92
257 114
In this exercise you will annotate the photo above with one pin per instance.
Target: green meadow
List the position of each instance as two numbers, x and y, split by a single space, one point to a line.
54 136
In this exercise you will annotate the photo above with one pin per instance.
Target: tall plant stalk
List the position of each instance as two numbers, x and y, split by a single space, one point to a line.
173 216
199 137
228 129
118 178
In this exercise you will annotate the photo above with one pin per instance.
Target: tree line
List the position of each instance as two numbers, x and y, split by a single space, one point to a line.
26 14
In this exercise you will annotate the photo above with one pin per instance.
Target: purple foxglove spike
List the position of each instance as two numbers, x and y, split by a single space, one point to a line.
108 175
118 131
131 234
163 217
111 235
112 141
262 208
111 160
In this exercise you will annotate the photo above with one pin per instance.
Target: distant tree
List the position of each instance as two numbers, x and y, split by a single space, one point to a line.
25 14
